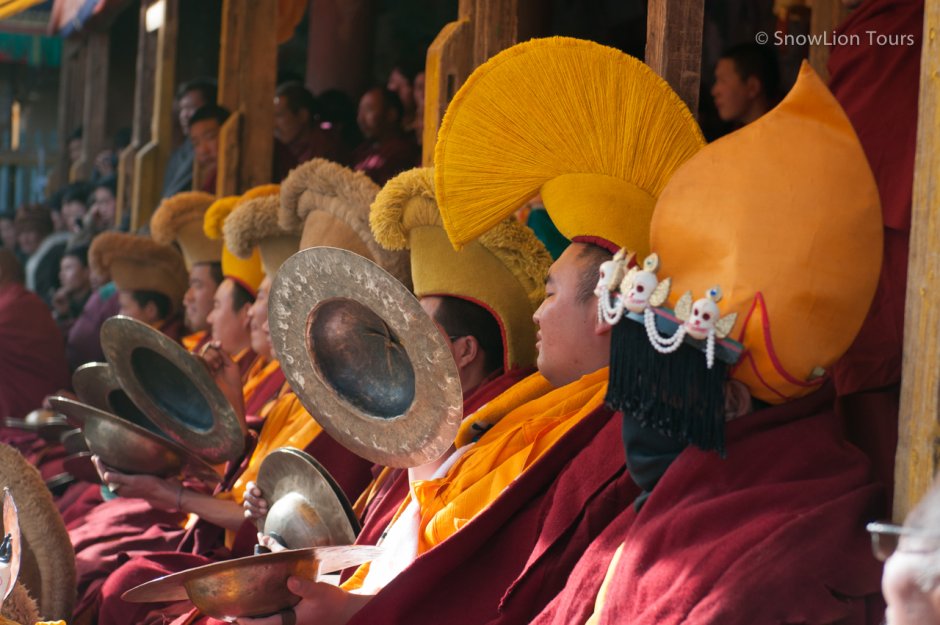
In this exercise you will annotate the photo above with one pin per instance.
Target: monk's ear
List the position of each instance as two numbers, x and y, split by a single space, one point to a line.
467 350
737 400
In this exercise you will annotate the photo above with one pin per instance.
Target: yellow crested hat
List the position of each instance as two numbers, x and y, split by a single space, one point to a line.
504 270
246 271
253 224
784 216
137 263
179 218
593 130
330 203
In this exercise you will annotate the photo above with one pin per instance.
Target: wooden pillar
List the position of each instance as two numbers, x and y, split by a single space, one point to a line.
150 161
919 420
95 106
674 45
482 28
825 16
247 77
339 52
71 99
143 112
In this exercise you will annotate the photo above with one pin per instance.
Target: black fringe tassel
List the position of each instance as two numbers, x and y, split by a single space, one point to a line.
673 394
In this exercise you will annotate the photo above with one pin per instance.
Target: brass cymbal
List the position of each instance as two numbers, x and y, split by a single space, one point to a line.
364 358
306 508
96 385
250 586
130 448
174 389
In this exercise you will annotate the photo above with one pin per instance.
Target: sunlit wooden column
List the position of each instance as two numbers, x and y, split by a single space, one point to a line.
674 45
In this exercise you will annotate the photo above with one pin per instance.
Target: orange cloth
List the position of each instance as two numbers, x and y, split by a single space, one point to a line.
513 445
524 422
192 341
259 371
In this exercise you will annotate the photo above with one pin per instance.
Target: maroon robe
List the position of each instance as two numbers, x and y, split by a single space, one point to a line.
382 161
204 543
774 533
391 493
512 558
319 143
32 353
875 83
84 343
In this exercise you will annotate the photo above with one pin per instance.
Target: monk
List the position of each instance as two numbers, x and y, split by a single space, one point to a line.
32 353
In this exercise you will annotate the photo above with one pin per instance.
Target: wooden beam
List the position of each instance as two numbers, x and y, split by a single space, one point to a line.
919 421
95 106
825 16
150 161
449 63
495 28
247 77
674 45
143 112
71 79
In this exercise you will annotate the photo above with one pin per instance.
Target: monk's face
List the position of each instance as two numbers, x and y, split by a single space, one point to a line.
198 298
570 341
288 124
733 94
187 105
229 324
258 321
204 135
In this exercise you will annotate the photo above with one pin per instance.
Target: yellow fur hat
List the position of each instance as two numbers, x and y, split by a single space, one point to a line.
597 132
246 271
179 218
137 263
330 203
504 270
253 223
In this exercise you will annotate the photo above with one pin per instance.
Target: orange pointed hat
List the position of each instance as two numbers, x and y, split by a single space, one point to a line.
772 239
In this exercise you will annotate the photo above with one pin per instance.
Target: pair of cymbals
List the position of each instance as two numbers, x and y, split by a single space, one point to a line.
173 389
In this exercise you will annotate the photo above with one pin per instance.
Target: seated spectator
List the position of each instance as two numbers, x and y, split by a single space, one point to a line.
204 127
911 580
387 150
190 97
297 131
83 343
401 81
75 290
102 208
747 78
75 206
33 224
32 356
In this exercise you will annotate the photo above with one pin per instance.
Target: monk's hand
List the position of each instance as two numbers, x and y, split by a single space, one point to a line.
256 506
163 494
225 372
320 603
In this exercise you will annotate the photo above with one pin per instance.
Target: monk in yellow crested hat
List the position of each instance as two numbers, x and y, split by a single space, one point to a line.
481 297
178 220
761 275
329 204
247 272
151 278
598 134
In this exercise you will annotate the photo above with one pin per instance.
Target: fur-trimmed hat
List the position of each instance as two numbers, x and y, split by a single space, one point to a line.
246 271
330 203
253 223
137 263
179 218
504 270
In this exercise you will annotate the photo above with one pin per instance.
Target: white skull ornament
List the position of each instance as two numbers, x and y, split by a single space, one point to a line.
641 286
611 271
704 315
